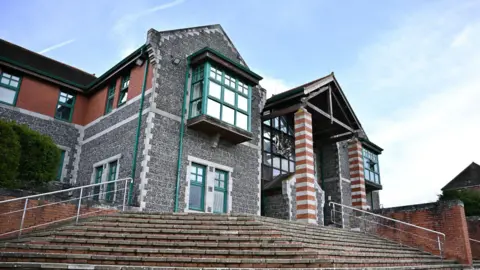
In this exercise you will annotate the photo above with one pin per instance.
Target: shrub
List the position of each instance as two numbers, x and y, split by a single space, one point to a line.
470 199
39 157
9 155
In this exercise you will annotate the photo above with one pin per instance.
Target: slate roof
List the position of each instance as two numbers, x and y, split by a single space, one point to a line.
470 176
22 57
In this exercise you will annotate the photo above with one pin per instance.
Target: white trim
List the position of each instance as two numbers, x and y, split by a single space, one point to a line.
345 179
303 166
306 141
359 200
358 193
251 145
359 165
353 179
304 157
303 149
304 115
304 202
117 109
303 125
107 160
167 115
306 211
117 125
305 192
355 158
77 155
303 132
209 163
355 152
304 184
308 175
357 186
146 159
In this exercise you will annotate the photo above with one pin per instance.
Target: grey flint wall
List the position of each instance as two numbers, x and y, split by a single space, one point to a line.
169 81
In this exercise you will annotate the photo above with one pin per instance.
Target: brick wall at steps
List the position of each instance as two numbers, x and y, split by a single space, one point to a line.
447 217
10 222
473 224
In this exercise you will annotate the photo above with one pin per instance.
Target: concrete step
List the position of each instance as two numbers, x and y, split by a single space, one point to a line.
122 219
178 261
124 251
65 266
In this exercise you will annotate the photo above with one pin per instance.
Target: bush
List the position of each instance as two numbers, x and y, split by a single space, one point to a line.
39 157
470 199
9 155
28 159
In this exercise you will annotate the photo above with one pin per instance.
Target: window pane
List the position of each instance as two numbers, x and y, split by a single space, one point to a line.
228 115
63 112
229 97
242 120
242 103
13 83
5 80
276 172
213 108
284 164
197 90
267 122
123 97
214 90
292 166
196 108
275 123
266 145
243 88
229 81
276 162
7 95
195 197
215 73
218 202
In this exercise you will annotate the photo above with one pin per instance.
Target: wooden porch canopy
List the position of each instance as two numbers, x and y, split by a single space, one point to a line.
332 116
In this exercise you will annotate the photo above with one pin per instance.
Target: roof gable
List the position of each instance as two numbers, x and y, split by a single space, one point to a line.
470 176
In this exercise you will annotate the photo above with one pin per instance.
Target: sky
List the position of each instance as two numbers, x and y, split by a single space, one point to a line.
410 69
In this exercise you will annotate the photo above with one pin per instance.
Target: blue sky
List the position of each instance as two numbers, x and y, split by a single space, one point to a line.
411 69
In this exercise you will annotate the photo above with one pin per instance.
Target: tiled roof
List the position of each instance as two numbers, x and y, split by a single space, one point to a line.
33 61
470 176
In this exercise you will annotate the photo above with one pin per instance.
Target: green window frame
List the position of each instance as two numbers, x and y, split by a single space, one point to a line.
65 106
371 166
110 97
123 95
220 192
98 179
196 200
112 176
9 87
221 95
60 165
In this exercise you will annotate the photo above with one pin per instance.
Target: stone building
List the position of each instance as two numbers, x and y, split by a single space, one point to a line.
187 119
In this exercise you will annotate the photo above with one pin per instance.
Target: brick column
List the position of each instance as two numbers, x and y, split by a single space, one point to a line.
357 177
306 200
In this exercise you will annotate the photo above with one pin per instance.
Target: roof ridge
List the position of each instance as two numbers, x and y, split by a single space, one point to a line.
52 59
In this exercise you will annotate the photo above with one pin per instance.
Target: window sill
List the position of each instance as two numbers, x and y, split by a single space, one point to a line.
213 126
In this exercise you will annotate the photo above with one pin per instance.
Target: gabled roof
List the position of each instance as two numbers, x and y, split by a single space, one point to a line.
19 56
470 176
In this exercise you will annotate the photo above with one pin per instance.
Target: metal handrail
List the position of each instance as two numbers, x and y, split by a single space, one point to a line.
473 240
79 198
439 234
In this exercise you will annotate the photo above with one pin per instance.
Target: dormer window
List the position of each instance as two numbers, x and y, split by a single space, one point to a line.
370 166
220 96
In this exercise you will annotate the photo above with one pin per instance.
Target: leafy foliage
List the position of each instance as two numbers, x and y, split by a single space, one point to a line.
469 197
9 155
38 158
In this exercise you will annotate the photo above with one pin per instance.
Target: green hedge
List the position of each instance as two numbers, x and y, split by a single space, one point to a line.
9 155
38 158
470 199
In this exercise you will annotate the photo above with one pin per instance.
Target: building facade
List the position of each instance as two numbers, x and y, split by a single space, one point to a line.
187 119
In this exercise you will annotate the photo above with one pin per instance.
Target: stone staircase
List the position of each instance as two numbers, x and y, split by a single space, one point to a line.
166 240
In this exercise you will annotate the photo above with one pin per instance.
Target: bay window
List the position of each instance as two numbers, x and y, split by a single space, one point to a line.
219 94
370 166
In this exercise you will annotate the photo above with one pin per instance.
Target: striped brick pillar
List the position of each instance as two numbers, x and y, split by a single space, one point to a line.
306 199
357 177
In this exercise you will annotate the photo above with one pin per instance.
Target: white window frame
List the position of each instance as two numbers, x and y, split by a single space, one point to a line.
209 184
106 167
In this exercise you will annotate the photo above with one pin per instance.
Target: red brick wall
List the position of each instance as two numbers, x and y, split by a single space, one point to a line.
473 224
37 96
446 217
96 105
11 222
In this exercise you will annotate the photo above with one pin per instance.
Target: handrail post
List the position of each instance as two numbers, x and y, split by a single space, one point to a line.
79 205
341 213
127 181
440 246
23 218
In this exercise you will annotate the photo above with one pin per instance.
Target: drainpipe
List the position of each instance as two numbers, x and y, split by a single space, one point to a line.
139 124
180 141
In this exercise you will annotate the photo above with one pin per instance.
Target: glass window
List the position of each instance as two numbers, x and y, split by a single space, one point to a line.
122 98
228 115
197 187
225 93
215 90
213 108
370 166
110 97
65 105
112 176
220 192
60 165
9 86
98 179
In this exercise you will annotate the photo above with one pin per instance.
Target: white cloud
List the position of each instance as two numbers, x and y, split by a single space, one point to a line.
273 85
123 27
427 68
56 46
